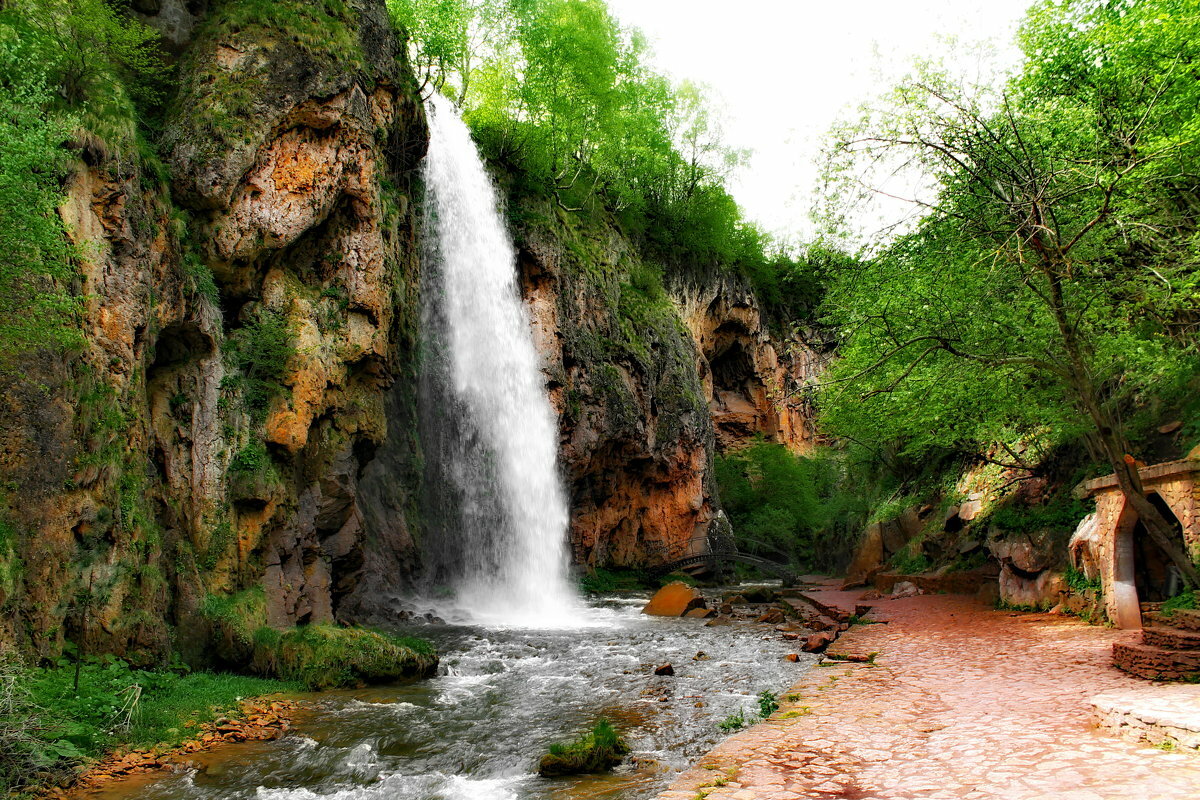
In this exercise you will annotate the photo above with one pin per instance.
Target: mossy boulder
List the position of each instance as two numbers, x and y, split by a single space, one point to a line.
598 750
329 656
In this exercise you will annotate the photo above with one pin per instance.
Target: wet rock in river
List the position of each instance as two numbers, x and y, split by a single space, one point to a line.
674 600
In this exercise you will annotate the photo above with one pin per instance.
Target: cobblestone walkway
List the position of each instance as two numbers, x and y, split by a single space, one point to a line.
962 702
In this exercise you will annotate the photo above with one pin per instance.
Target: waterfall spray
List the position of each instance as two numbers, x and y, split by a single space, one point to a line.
490 438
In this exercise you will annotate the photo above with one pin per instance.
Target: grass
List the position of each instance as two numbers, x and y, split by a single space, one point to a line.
48 727
734 722
600 749
1180 602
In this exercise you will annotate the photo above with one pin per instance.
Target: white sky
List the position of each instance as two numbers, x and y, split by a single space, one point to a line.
785 70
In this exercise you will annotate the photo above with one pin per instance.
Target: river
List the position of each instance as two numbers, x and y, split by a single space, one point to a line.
500 698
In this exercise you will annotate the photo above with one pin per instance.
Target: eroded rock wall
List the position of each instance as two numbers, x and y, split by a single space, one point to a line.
240 417
649 383
754 378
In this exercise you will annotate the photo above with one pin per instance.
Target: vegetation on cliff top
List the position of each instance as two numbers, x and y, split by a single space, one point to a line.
557 93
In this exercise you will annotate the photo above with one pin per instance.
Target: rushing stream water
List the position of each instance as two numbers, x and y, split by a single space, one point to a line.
502 696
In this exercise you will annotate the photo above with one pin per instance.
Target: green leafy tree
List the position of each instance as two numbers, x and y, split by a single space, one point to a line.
1035 293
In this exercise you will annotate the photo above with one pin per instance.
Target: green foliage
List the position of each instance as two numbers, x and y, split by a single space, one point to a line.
768 703
1185 601
260 352
91 52
36 261
606 581
786 507
252 458
240 614
47 727
600 749
734 722
1061 513
1041 295
1079 583
910 561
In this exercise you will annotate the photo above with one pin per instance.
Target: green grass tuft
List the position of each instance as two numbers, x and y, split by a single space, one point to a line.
599 749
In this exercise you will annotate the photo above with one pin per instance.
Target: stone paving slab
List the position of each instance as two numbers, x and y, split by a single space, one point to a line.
962 702
1167 715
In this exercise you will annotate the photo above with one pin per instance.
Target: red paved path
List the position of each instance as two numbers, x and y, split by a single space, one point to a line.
963 702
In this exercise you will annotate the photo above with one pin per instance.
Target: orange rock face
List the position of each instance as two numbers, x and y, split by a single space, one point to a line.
674 600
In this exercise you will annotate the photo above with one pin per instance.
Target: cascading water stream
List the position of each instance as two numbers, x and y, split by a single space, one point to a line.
494 502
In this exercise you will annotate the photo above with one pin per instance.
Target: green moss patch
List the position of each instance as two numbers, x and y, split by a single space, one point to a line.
328 656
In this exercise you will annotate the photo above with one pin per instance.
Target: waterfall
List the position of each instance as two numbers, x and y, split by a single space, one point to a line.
495 509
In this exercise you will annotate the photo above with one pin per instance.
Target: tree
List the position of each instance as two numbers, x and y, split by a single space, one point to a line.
1041 269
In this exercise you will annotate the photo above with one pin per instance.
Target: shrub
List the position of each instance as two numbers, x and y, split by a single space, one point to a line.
768 704
600 749
604 581
1185 601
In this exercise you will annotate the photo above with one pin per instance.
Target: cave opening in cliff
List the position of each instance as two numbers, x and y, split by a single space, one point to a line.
734 410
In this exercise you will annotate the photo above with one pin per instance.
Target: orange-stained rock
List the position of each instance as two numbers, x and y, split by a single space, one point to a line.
674 600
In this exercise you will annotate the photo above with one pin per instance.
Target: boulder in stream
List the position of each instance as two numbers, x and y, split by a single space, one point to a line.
674 600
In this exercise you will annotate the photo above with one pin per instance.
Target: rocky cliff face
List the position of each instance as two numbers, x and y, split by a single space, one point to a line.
649 382
242 412
753 377
236 441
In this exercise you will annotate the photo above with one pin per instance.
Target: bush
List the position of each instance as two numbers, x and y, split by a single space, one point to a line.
600 749
1185 602
908 562
786 507
605 581
260 352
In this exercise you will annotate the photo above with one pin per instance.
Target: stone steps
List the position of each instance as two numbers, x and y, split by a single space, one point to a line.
1186 619
1171 638
1156 663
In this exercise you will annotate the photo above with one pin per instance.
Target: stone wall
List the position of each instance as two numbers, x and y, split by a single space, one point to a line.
1105 547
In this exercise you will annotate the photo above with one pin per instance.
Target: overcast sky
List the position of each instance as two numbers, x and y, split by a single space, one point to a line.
786 69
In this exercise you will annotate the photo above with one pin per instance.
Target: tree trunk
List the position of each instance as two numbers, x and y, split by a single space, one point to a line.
1107 431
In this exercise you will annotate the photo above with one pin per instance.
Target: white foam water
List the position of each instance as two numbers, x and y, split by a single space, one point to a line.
493 435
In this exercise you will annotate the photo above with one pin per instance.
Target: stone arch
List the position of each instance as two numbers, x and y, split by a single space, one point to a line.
1141 571
1124 606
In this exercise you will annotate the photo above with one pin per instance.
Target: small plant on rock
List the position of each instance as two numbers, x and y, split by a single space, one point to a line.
768 704
599 749
734 722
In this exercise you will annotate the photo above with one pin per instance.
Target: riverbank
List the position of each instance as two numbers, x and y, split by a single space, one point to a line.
961 701
252 720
